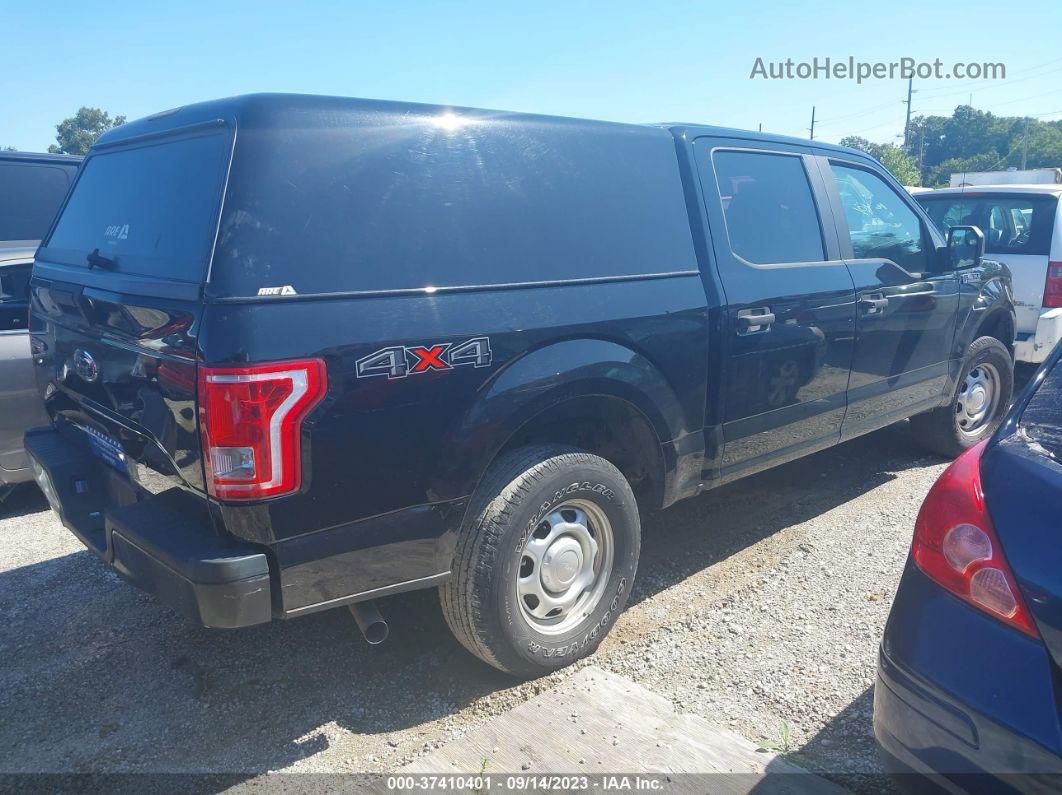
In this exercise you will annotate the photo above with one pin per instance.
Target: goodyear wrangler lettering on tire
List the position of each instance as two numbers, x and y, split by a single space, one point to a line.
545 508
590 637
545 560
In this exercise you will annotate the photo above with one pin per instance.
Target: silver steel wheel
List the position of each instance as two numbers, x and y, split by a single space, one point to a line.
978 399
565 566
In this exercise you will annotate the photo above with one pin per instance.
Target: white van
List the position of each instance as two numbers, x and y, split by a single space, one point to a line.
1023 230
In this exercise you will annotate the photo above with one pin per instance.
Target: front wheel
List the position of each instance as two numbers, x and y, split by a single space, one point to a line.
978 405
545 561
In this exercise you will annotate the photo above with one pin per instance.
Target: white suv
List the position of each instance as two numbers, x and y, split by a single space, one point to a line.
1023 230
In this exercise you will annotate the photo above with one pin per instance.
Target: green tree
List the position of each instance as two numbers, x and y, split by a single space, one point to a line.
1045 147
899 163
863 145
902 165
970 132
76 135
968 140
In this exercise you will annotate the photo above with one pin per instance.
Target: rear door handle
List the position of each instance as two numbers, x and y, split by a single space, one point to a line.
751 321
873 303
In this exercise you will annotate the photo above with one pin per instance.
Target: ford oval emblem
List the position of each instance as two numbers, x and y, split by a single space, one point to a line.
85 366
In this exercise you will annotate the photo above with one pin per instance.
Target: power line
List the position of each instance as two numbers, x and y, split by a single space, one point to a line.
868 129
934 110
996 104
858 113
988 86
932 94
1007 81
941 91
1024 99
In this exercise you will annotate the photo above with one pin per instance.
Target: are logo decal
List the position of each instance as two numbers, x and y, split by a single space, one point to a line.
398 361
284 289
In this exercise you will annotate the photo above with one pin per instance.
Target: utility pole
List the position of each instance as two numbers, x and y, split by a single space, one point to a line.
907 122
1025 145
812 122
921 149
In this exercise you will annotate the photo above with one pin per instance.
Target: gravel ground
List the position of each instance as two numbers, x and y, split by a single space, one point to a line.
758 605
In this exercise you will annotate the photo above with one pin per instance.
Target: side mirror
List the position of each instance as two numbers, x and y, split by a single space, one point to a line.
966 247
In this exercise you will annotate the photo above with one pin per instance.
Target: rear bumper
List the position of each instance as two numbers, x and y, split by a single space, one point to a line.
1034 348
963 702
164 544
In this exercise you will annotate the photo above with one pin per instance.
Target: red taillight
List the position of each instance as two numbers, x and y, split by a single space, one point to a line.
956 545
250 419
1053 288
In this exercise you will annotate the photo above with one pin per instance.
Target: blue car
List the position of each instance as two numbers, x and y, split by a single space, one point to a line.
969 677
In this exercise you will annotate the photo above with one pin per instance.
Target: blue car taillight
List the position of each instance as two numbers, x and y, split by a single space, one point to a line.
956 545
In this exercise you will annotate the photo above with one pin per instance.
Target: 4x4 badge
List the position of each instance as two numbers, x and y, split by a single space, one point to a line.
398 361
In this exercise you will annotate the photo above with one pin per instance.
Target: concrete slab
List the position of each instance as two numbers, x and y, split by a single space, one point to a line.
600 724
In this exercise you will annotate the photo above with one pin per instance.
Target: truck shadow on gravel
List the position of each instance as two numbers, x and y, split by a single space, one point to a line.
104 679
696 533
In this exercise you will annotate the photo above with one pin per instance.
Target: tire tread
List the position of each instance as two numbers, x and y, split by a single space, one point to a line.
509 481
935 430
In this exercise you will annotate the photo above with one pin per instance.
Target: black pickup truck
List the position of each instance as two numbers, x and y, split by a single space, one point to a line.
305 352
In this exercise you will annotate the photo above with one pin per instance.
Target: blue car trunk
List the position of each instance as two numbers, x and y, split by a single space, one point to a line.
1022 477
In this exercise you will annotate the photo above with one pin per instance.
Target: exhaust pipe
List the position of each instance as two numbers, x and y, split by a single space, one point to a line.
372 625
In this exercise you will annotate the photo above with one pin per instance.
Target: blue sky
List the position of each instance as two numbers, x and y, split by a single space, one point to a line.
624 61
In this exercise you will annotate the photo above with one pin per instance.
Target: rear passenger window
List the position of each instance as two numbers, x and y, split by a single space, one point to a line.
770 213
880 223
388 200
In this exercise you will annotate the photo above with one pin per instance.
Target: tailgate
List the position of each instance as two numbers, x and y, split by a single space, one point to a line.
122 369
116 299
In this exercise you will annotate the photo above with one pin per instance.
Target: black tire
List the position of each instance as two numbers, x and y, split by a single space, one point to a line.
939 430
480 601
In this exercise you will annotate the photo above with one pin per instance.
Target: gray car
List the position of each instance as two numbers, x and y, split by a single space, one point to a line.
32 188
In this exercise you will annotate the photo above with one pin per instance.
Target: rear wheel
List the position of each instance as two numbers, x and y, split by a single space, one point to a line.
546 560
979 403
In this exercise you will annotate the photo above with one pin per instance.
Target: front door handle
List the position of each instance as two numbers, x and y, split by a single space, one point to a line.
751 321
873 303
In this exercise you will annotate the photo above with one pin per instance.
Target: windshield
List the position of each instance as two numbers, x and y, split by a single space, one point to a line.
148 210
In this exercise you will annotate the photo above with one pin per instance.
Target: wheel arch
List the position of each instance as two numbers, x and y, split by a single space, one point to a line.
595 394
998 323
